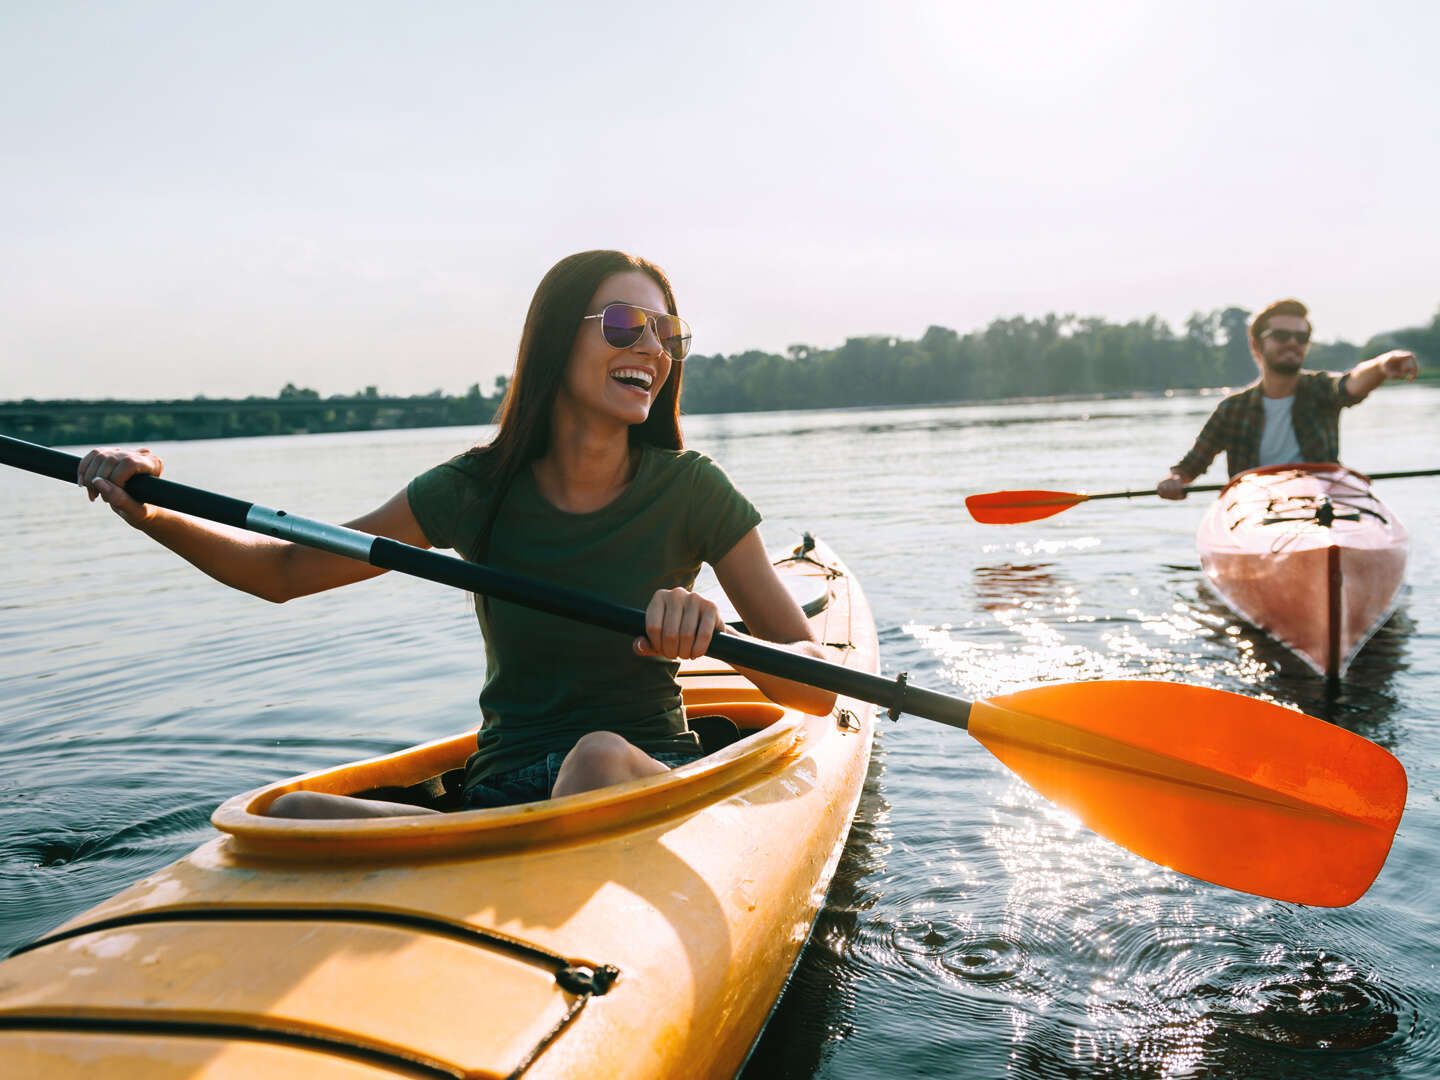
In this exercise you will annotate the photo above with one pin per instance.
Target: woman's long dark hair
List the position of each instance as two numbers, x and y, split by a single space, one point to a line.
554 318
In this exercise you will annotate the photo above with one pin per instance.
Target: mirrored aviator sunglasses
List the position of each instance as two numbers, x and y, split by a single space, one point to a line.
624 324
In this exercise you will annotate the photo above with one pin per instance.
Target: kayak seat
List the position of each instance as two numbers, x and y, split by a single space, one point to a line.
445 792
748 716
716 732
721 723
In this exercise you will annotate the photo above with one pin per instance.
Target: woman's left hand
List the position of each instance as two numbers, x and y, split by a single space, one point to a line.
678 625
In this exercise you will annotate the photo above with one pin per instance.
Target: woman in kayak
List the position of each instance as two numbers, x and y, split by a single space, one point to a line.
585 485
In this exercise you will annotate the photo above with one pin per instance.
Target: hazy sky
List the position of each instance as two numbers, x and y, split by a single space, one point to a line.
220 198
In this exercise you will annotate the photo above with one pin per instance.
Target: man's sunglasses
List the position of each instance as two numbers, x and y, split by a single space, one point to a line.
1284 337
624 324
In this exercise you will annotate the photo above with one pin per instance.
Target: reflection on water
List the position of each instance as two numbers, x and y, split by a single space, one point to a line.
1363 702
1366 700
972 929
816 1013
1000 588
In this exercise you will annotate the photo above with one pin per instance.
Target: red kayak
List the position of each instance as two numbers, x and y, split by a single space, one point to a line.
1309 555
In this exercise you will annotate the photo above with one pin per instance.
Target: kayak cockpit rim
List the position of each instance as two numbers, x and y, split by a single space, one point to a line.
621 806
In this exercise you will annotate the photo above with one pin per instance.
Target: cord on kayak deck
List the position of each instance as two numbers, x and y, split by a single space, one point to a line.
579 979
802 554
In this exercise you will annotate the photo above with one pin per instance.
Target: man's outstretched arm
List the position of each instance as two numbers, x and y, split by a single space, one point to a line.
1368 374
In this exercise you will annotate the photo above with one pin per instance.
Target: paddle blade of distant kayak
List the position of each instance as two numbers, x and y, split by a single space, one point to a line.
1243 793
1014 507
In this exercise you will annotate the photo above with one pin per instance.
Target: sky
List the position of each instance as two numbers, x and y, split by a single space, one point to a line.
222 198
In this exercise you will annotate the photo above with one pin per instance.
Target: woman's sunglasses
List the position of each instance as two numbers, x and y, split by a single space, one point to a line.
1284 337
624 324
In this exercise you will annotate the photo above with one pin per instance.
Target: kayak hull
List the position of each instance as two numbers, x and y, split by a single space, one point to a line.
1308 554
644 930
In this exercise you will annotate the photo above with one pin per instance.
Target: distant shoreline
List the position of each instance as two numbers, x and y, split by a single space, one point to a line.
115 422
1009 362
111 421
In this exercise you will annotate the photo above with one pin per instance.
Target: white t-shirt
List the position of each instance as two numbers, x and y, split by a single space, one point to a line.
1278 445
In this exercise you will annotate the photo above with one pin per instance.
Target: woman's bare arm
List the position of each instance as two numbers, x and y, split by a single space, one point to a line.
274 570
771 613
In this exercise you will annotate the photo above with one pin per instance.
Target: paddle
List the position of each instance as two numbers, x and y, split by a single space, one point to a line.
1239 792
1015 507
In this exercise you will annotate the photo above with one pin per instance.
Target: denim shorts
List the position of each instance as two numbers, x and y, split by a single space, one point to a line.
535 782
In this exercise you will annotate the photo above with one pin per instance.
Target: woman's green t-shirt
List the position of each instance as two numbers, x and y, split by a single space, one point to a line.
550 680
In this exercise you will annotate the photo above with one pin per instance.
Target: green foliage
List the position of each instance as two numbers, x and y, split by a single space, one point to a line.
1015 357
293 411
1057 355
1424 342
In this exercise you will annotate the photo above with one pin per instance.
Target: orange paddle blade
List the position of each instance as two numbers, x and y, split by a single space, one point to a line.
1239 792
1013 507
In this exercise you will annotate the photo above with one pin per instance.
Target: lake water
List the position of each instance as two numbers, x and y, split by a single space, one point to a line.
972 930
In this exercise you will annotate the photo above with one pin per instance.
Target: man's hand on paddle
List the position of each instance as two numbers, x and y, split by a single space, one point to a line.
1172 487
106 472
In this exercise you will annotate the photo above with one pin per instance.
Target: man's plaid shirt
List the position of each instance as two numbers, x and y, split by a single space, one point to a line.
1238 422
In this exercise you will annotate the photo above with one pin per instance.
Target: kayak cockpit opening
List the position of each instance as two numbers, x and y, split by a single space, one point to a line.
717 726
430 777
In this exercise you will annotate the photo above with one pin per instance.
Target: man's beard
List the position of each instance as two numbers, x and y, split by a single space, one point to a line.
1285 363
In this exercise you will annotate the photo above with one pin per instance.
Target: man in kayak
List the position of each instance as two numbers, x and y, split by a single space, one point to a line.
1289 415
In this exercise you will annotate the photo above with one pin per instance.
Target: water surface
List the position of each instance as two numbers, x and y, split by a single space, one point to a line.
973 929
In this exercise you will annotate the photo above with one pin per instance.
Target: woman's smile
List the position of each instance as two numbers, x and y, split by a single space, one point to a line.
632 377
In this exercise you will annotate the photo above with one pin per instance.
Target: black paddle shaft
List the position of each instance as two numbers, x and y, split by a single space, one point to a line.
894 694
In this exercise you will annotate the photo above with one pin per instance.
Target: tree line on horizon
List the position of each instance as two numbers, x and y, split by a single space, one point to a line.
1016 357
1052 356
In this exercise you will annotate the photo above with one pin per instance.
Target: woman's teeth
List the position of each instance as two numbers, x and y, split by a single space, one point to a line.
636 377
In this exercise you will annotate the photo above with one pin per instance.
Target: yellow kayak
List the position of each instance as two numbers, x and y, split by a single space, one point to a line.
642 930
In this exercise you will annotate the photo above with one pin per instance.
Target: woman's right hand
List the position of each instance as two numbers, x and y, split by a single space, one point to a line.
679 625
106 472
